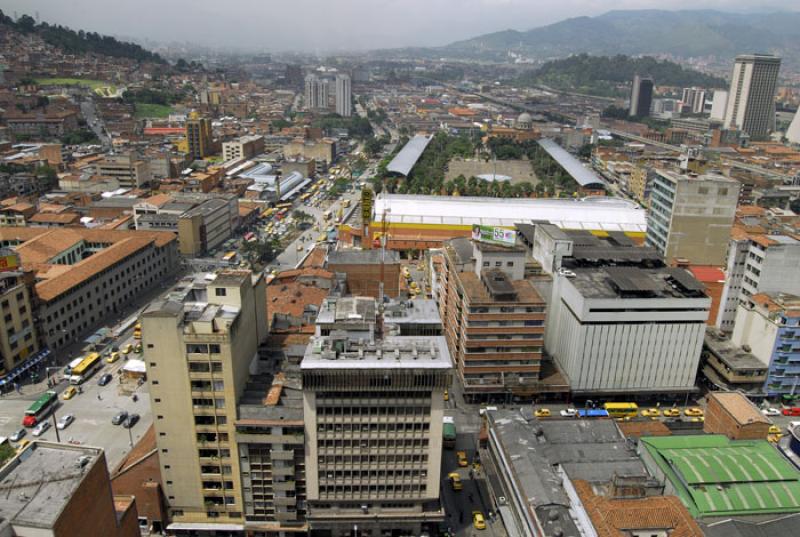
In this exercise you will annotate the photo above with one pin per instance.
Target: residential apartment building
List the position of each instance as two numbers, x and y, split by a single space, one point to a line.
198 136
62 490
40 123
763 257
493 318
727 366
316 92
18 335
691 215
373 409
751 99
199 344
768 325
245 147
619 321
344 96
128 169
84 276
693 100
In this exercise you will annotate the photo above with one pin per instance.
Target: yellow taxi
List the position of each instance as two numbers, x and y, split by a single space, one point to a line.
542 413
22 443
774 429
651 413
455 480
671 412
446 395
69 393
113 357
462 458
694 412
127 349
138 349
478 521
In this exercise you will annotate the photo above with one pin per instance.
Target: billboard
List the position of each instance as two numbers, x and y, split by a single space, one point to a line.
494 235
366 205
9 260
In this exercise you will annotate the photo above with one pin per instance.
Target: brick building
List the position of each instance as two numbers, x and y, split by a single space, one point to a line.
363 271
735 416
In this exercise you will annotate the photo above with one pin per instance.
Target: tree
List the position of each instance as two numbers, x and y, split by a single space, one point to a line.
302 216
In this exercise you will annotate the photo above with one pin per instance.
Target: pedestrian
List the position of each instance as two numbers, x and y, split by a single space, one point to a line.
99 398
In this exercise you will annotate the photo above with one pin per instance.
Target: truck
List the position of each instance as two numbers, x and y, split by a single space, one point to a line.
449 432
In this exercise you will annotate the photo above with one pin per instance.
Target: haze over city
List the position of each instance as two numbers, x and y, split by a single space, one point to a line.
322 27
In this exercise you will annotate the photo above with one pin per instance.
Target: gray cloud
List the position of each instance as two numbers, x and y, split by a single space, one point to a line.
330 25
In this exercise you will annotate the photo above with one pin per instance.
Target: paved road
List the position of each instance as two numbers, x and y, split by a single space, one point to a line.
95 123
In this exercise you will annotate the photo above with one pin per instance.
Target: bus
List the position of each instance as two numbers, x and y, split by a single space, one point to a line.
70 366
592 413
622 410
81 372
449 432
249 236
346 203
40 409
286 205
229 257
266 213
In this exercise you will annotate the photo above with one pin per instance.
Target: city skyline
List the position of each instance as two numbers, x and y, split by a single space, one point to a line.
353 25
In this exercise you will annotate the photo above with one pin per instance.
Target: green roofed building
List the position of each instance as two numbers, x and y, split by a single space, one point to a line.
718 477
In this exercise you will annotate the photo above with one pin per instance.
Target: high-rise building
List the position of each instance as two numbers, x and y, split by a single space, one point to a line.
793 133
719 103
691 216
694 100
494 318
751 99
374 412
19 340
641 96
763 257
316 93
198 136
344 98
199 344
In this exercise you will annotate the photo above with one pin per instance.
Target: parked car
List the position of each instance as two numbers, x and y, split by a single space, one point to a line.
542 413
131 421
672 412
105 379
40 429
17 435
792 411
568 413
119 418
651 413
64 421
693 412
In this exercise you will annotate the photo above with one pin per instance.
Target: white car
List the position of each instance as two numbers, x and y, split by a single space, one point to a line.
40 429
568 413
64 421
771 412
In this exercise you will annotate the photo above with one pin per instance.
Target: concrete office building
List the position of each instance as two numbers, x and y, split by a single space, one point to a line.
61 490
208 225
373 407
793 132
127 169
245 147
493 317
198 136
344 97
691 215
619 322
641 96
758 262
694 100
751 99
719 103
768 325
85 276
199 345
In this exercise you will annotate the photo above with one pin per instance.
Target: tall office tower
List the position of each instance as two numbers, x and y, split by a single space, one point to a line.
751 100
691 216
694 100
373 409
199 344
316 93
323 94
344 98
641 96
793 133
198 136
719 103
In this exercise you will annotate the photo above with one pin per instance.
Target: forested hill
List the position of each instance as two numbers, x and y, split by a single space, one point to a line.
603 75
79 42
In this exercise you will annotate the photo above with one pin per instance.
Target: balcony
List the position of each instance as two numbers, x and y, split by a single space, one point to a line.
281 454
284 485
283 471
284 501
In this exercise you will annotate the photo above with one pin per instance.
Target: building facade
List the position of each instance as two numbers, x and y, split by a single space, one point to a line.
245 147
316 93
751 99
18 334
373 408
641 96
344 97
768 325
198 136
128 169
209 224
199 344
690 216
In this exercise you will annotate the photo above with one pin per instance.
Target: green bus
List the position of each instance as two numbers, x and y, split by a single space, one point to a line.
40 409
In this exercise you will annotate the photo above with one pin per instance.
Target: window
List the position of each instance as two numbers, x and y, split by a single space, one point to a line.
498 263
510 264
220 291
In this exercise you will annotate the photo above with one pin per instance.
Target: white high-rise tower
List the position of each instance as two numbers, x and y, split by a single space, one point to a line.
751 99
344 106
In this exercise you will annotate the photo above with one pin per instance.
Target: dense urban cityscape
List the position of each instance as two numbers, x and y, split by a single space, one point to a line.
535 283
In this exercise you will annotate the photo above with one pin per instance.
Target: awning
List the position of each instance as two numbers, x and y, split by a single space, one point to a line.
204 526
134 366
33 361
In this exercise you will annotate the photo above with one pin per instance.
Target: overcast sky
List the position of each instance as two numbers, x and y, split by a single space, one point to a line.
327 25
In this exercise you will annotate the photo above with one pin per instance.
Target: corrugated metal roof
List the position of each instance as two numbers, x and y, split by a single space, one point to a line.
409 155
592 213
572 165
